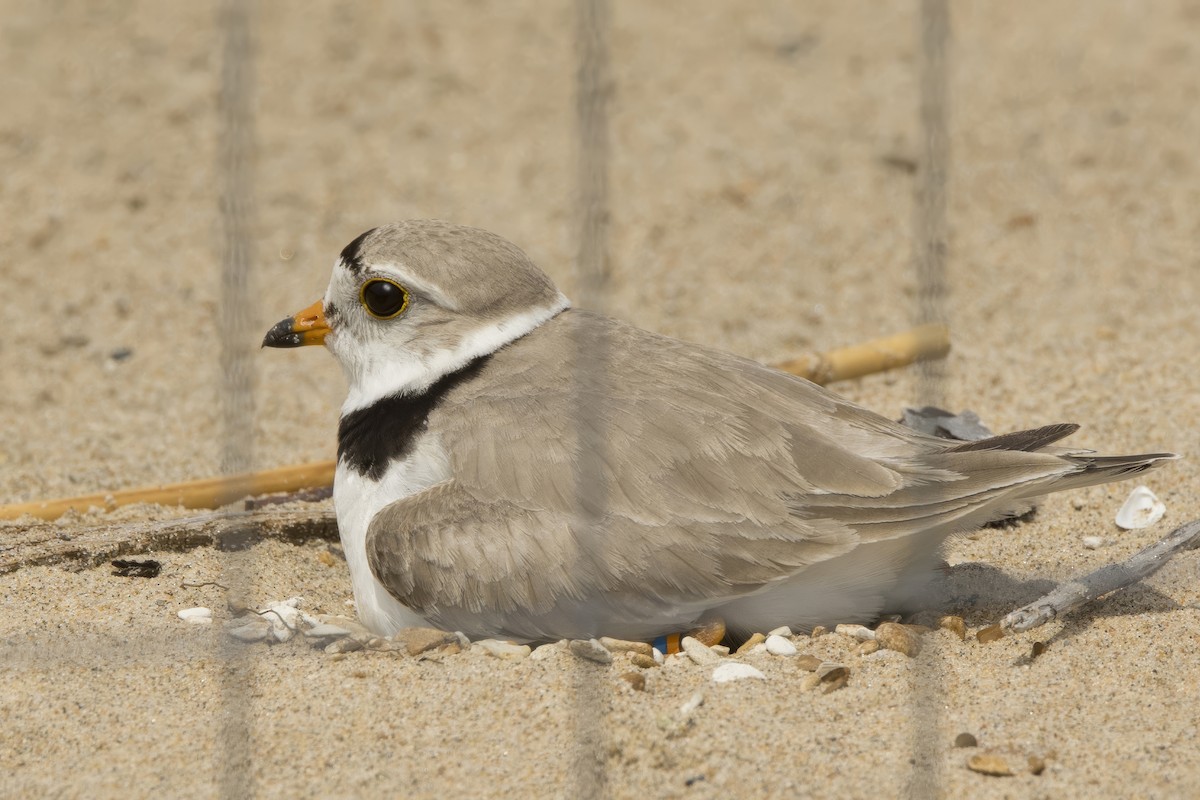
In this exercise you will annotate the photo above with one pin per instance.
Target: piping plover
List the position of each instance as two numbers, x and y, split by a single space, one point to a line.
509 466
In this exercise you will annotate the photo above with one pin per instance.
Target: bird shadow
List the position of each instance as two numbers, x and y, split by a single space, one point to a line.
982 594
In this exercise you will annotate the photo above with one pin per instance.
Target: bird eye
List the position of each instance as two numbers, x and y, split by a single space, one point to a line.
383 299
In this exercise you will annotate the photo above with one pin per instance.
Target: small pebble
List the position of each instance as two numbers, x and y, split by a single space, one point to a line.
197 616
867 647
326 558
749 644
777 645
709 632
1037 765
1093 542
624 646
418 640
992 633
819 630
955 625
893 636
591 650
857 631
698 652
504 650
720 649
989 764
810 682
636 680
643 662
965 740
542 652
735 671
1078 503
1037 649
782 630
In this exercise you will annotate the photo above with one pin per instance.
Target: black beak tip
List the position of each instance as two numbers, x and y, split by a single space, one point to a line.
282 335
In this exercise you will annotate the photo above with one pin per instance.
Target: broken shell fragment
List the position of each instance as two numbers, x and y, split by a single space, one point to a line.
1141 510
779 646
735 671
197 616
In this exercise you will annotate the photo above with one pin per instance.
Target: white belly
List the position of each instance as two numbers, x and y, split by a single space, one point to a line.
357 500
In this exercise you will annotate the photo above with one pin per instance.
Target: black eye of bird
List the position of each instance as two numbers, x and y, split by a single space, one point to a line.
383 299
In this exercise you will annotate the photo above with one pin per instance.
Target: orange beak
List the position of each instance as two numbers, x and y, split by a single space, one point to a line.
305 328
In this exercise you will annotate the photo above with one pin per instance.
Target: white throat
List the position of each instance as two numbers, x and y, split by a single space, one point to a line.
379 374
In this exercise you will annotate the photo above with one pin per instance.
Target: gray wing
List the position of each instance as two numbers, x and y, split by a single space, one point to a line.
719 477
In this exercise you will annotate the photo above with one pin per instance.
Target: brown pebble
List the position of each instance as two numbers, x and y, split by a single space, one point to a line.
992 633
955 625
867 647
238 604
989 764
819 630
900 638
1037 765
417 640
1037 649
965 740
645 662
326 558
808 663
636 680
810 682
750 643
709 632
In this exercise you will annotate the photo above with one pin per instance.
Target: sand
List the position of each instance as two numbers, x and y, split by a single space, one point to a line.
759 204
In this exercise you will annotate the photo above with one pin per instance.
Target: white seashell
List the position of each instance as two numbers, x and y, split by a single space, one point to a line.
196 616
779 646
735 671
1141 510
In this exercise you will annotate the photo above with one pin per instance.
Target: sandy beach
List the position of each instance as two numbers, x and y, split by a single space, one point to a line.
763 166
